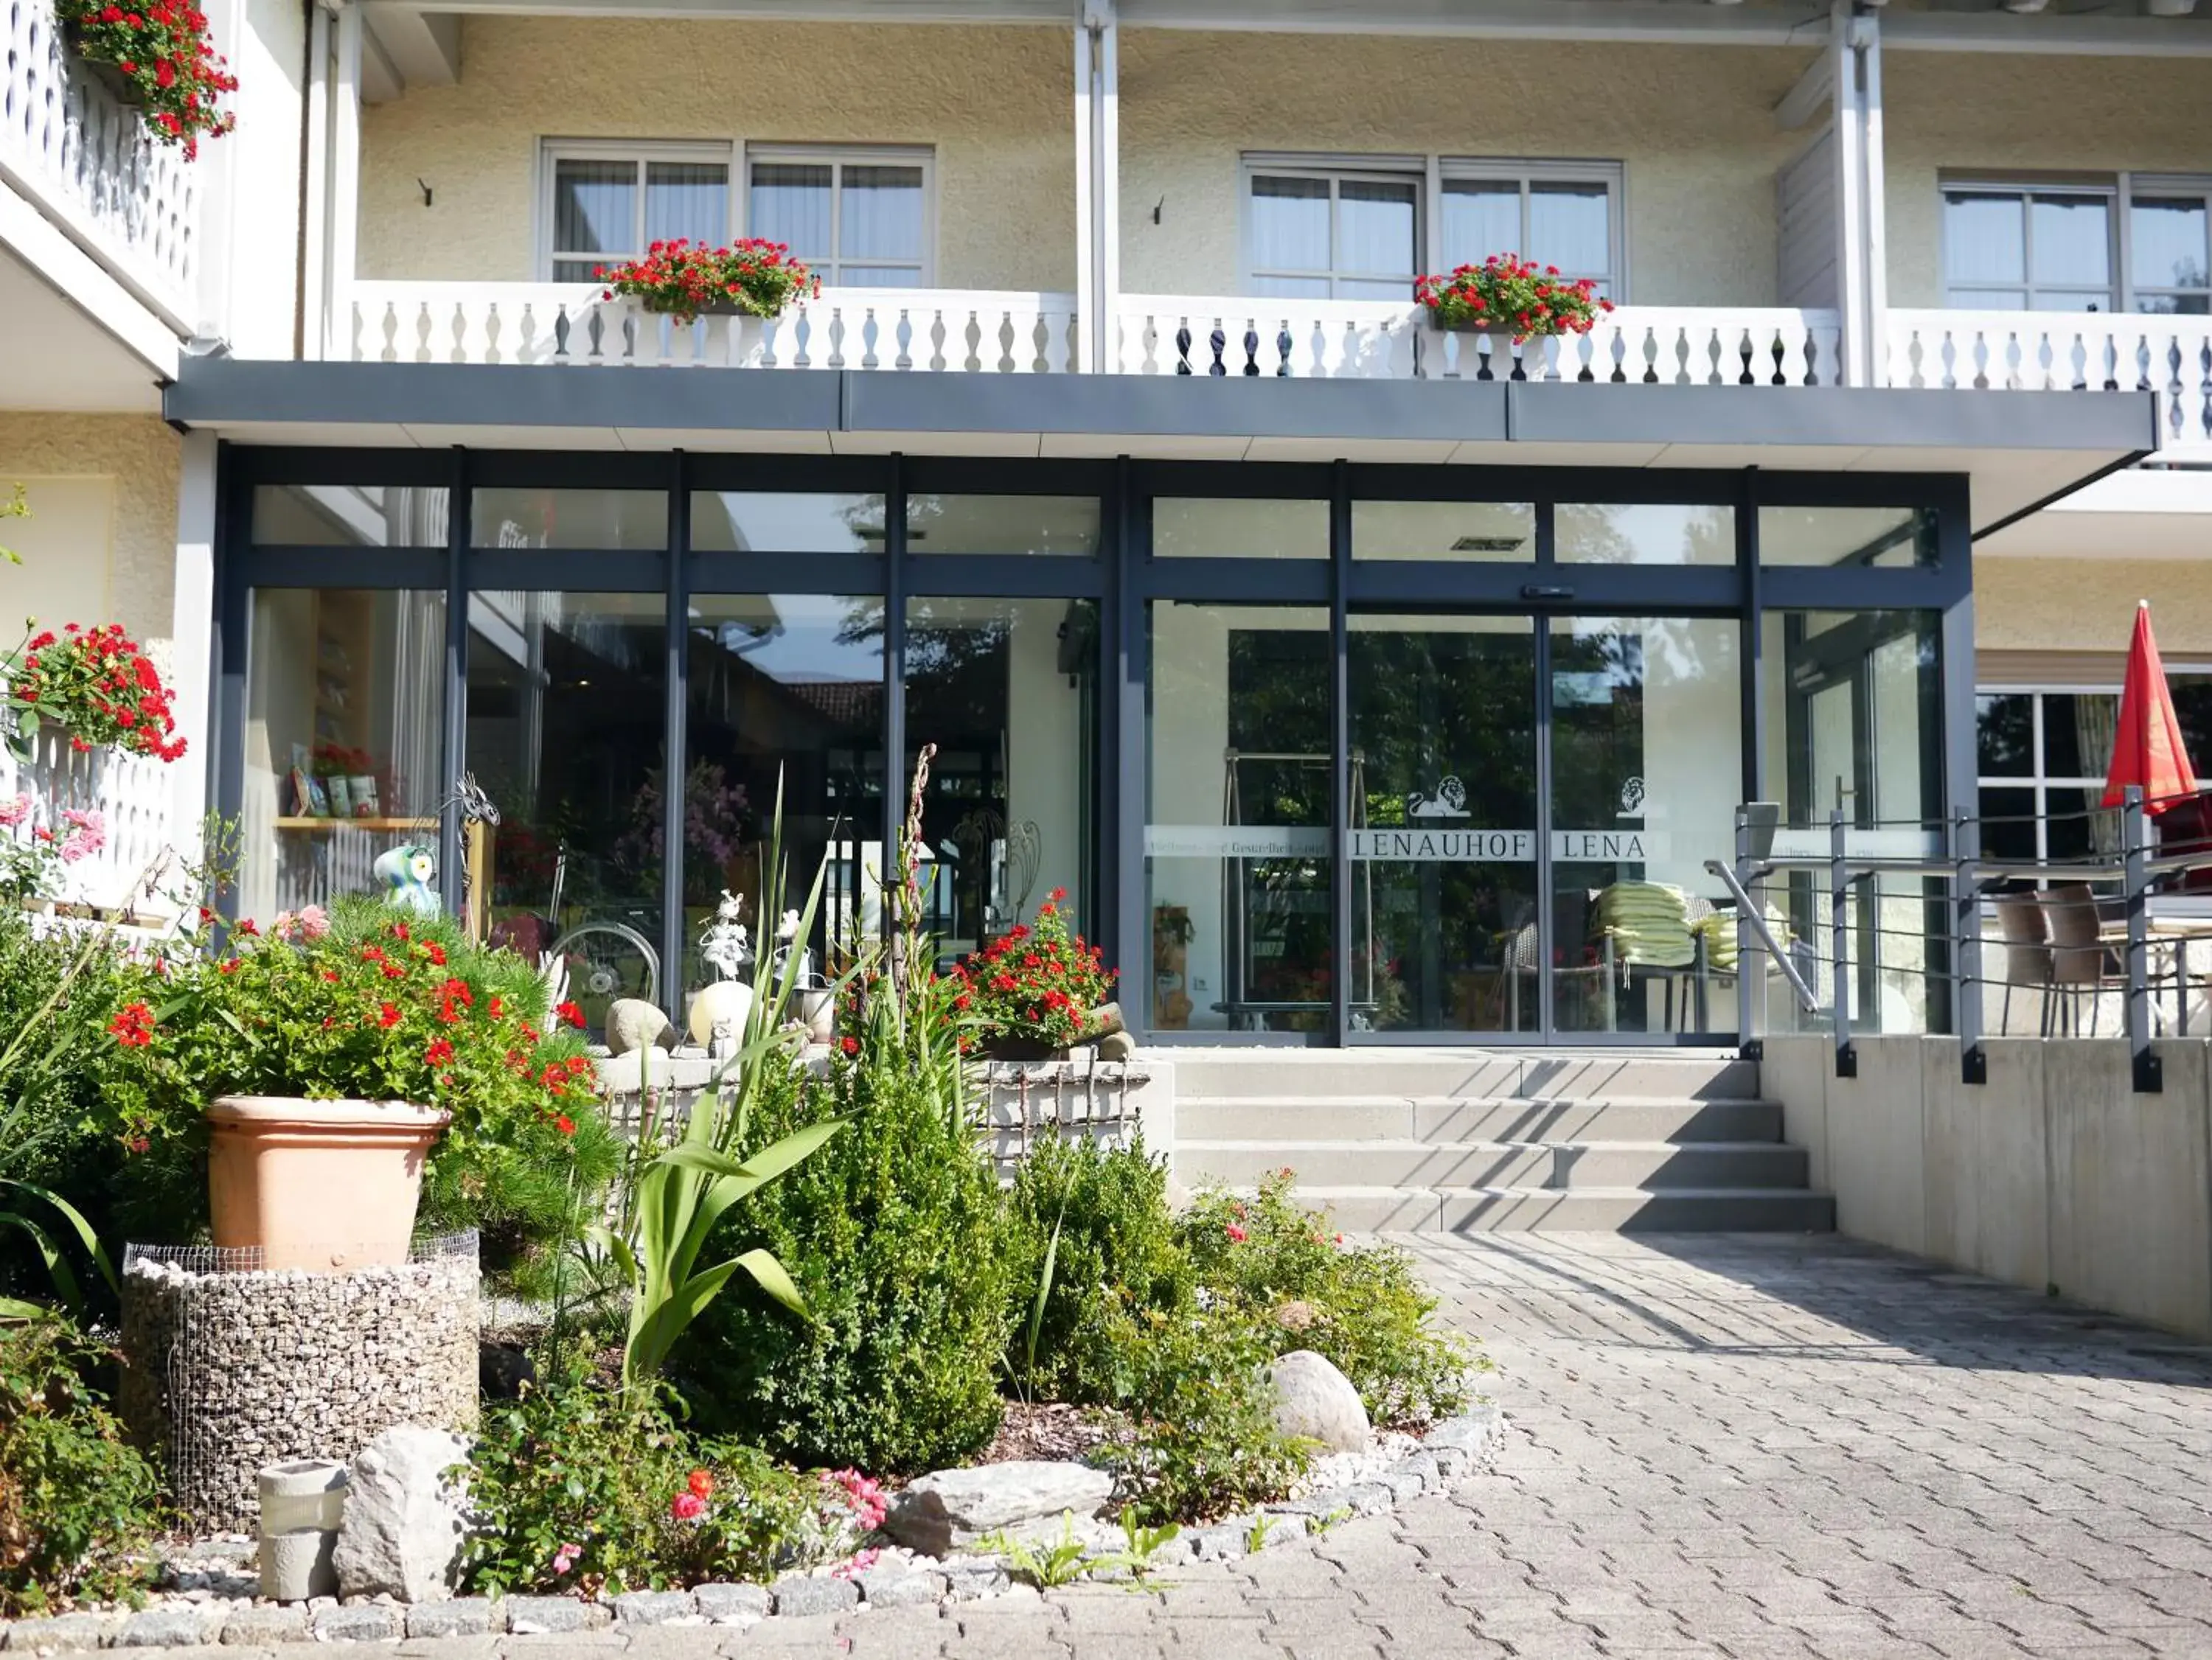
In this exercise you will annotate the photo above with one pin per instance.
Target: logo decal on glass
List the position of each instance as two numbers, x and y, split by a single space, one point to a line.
1448 801
1632 797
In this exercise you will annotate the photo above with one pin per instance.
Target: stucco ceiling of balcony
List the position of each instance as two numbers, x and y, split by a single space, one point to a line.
58 358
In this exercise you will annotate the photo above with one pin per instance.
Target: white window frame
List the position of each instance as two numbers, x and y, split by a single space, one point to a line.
552 152
2036 780
2118 191
838 157
1427 173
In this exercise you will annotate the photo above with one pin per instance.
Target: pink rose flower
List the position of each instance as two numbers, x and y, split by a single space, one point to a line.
687 1506
13 813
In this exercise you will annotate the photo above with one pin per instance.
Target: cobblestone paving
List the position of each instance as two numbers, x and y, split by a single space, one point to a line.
1758 1448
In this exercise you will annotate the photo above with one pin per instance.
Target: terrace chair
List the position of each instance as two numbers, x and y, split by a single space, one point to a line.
2026 936
2079 958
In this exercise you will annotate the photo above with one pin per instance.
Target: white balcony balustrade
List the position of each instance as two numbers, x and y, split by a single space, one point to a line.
131 794
2064 351
1174 334
573 324
70 145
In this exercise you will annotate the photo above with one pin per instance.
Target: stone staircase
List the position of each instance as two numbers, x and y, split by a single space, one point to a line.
1480 1141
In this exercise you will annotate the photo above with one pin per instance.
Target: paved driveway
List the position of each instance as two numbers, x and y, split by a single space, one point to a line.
1755 1447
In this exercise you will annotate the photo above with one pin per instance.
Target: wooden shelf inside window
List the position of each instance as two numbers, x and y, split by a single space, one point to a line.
357 824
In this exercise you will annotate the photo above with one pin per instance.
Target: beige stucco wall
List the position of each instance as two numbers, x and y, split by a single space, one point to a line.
105 549
2062 605
1694 127
997 104
2041 113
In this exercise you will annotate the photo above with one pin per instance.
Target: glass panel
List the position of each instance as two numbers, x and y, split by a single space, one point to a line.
789 203
594 207
1443 802
879 214
351 515
2192 702
2007 828
1984 238
1007 689
2167 305
1480 530
784 689
2168 242
2079 731
342 751
1195 527
1878 536
1569 226
687 199
1287 287
1482 217
578 270
2076 825
880 276
785 522
1374 287
2004 734
2073 240
1002 524
1647 766
1853 716
1289 224
2077 300
1644 533
1992 300
1375 227
566 732
1236 854
533 518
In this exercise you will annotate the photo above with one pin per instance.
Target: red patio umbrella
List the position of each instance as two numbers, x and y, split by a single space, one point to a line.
2149 750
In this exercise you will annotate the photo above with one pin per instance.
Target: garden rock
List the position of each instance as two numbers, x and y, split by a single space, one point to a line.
653 1607
406 1517
364 1623
898 1587
263 1625
1315 1400
62 1631
528 1616
460 1616
173 1627
733 1605
808 1593
634 1024
949 1508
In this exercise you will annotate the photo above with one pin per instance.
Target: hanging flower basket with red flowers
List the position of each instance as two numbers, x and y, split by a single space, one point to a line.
93 684
159 58
686 279
1507 294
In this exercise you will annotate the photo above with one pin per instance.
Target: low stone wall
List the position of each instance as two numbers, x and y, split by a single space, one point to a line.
230 1367
2055 1174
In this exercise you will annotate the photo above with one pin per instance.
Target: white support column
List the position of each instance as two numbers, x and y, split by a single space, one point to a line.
1086 277
345 177
1855 60
315 322
192 632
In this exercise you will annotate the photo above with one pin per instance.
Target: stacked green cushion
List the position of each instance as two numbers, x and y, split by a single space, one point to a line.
1648 923
1718 931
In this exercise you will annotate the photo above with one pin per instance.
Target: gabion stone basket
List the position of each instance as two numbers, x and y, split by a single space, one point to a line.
229 1366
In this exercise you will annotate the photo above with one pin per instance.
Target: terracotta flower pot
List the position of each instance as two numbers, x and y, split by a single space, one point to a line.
317 1184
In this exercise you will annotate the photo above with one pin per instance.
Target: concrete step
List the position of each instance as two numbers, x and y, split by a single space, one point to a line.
1657 1166
1583 1209
1474 1118
1269 1074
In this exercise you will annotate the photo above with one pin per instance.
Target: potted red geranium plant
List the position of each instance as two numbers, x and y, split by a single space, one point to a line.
1035 992
94 684
686 279
160 58
1509 295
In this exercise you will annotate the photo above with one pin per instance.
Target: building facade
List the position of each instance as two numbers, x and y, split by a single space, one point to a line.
1360 682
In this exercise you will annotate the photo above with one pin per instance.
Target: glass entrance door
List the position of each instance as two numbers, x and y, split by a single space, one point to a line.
1531 805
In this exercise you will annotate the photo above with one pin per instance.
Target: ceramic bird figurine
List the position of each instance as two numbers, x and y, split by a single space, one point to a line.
408 874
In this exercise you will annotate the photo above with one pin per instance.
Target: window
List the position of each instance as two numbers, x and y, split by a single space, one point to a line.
2137 244
607 202
1322 235
1318 230
2042 754
860 219
1554 214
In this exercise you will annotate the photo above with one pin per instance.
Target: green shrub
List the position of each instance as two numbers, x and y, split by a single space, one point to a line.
1208 1442
79 1507
1116 1255
584 1487
894 1234
1362 1306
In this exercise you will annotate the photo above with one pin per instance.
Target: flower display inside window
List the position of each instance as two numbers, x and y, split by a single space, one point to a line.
166 61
